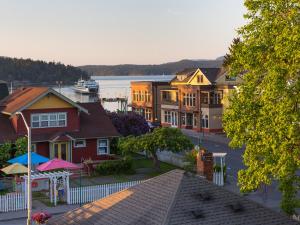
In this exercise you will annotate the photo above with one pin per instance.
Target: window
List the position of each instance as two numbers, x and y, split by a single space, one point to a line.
195 120
33 147
148 114
204 121
183 119
216 97
147 96
189 99
167 117
102 147
133 96
79 143
142 96
200 78
230 78
45 120
204 98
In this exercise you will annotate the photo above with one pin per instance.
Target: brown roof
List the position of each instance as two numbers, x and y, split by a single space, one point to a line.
7 132
173 198
20 98
96 124
23 97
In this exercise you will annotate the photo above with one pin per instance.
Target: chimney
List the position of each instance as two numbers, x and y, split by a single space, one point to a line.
205 164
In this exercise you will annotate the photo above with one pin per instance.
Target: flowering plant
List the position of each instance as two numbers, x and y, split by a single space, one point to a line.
41 217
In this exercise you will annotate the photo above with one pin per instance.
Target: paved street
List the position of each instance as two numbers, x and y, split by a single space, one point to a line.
233 159
268 196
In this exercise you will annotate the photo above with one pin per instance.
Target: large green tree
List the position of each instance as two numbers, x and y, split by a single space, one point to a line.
264 112
160 139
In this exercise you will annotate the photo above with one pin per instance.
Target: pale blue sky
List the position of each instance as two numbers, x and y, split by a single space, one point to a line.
83 32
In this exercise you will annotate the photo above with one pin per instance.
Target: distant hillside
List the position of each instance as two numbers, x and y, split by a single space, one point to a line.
166 68
38 72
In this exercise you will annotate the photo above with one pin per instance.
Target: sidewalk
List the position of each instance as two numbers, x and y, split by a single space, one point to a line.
217 138
37 207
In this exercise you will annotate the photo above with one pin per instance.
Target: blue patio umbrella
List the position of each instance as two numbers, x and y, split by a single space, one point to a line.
23 159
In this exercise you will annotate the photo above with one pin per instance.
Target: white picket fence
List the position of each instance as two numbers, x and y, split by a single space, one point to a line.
218 178
12 202
91 193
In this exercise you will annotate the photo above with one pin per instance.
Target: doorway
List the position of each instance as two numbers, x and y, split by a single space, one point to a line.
61 150
174 119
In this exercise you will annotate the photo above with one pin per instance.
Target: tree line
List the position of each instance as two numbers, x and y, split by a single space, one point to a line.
37 71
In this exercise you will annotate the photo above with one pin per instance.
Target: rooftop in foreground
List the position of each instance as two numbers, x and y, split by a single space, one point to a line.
174 198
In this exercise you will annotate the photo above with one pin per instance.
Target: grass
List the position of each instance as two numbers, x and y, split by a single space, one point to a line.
148 163
42 197
139 162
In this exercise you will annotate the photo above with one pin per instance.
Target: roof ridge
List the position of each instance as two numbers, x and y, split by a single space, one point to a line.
171 206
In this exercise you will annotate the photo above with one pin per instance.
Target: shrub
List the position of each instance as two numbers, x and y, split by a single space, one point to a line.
124 165
190 160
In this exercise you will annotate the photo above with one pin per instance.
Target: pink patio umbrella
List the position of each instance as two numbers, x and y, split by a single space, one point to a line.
55 164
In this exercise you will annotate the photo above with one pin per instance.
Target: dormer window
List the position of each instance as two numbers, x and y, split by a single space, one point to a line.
44 120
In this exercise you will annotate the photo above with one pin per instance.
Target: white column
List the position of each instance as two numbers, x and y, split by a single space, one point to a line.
68 189
51 189
25 190
222 175
55 191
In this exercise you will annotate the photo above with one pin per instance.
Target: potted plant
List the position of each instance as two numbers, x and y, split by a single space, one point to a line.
41 217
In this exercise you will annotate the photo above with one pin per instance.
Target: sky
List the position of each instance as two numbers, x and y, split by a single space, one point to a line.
89 32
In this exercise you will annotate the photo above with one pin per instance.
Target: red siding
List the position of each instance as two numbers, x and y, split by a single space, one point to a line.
90 151
73 122
14 121
42 148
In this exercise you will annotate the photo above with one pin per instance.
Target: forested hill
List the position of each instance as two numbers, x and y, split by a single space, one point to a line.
38 72
166 68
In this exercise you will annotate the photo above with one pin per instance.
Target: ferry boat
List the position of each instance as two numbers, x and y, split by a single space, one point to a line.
86 86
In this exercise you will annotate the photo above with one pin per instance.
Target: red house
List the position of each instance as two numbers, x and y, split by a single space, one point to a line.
60 127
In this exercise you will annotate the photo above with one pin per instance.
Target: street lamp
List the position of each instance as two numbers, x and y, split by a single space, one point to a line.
29 195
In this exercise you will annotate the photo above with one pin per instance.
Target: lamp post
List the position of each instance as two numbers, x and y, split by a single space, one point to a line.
29 195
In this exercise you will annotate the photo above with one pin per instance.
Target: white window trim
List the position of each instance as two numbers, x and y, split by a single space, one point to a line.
48 114
80 146
108 149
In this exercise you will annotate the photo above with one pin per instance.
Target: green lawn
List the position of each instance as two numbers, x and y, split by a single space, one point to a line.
143 167
148 163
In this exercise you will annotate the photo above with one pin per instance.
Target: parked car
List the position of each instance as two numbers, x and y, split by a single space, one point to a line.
154 125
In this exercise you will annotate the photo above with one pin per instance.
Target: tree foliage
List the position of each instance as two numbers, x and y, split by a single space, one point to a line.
129 124
21 146
160 139
37 71
5 153
264 112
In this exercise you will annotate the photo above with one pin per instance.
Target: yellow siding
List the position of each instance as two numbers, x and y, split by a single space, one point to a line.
50 102
194 80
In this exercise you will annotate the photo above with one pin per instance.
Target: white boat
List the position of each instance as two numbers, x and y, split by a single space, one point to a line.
86 86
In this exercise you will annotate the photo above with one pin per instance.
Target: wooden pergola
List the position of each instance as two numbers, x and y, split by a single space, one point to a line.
53 177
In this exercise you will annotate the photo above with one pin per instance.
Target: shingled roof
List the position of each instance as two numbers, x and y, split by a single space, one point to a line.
24 97
174 198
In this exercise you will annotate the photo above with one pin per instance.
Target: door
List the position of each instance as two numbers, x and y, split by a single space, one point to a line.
174 119
61 150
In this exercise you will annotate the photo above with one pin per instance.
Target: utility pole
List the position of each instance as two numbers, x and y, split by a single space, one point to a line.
29 193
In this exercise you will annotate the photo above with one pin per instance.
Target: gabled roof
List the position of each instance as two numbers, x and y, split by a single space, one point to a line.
173 198
25 97
96 124
212 74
